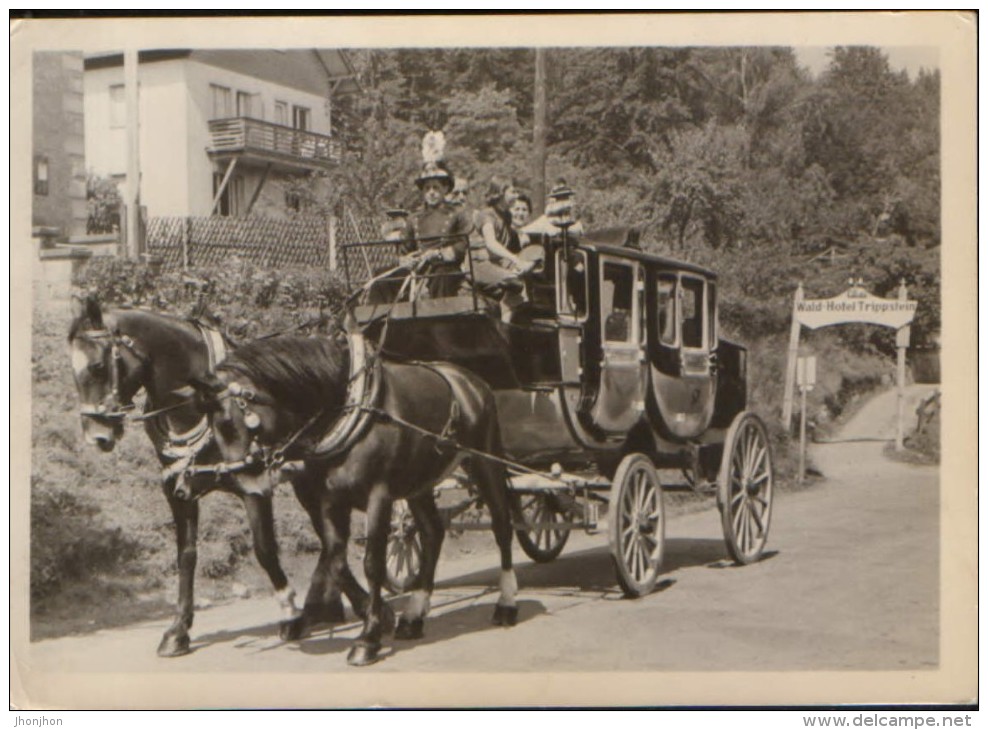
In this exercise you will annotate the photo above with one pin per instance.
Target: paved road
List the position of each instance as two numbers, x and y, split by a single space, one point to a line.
850 582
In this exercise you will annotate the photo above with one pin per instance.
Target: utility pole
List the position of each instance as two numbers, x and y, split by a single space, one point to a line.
538 136
133 189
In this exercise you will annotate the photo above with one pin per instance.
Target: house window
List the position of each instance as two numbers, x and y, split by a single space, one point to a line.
300 117
118 106
40 175
281 113
222 101
293 201
233 201
243 104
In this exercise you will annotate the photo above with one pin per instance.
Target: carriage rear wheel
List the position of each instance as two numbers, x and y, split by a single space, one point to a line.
745 488
404 556
540 541
636 525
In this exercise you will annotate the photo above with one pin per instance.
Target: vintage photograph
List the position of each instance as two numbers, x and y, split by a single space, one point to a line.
581 351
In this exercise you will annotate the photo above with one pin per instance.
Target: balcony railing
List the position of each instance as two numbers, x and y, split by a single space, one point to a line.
244 135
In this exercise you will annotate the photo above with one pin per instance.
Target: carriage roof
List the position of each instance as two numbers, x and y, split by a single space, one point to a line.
623 242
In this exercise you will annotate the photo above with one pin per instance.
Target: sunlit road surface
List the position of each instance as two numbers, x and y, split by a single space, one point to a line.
849 581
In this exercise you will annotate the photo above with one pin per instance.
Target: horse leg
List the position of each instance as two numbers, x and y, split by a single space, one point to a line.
492 484
337 527
430 527
322 601
261 518
379 618
175 641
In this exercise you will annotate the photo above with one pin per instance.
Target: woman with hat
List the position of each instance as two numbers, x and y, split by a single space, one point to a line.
496 268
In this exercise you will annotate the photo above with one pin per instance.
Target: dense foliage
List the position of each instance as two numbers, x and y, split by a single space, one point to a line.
727 155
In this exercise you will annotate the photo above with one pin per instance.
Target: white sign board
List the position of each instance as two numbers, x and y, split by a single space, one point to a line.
806 372
855 305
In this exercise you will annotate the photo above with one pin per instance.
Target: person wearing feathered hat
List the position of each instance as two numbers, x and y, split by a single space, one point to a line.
435 234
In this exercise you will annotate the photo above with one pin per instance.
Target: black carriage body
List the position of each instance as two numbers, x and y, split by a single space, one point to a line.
616 350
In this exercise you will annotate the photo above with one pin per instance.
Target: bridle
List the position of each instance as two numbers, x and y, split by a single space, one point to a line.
113 407
258 455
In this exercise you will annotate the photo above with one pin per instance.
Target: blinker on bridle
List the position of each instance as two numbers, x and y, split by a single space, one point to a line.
111 408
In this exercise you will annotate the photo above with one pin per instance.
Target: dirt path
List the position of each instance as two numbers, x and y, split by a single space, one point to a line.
850 582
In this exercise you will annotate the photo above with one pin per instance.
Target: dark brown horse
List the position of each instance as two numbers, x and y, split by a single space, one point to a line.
277 400
116 354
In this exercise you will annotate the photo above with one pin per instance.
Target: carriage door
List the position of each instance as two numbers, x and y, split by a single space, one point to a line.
623 368
684 372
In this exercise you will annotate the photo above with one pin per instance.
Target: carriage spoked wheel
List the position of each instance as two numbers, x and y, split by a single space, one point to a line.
540 511
636 525
744 488
404 555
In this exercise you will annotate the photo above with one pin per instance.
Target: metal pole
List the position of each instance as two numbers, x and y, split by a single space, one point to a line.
133 188
802 433
787 397
538 135
901 343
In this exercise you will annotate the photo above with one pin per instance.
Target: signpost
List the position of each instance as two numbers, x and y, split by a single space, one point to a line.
853 305
806 379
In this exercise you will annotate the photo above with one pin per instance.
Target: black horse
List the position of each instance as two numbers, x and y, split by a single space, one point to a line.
282 399
115 355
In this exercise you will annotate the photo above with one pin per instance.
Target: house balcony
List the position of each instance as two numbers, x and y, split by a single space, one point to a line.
284 148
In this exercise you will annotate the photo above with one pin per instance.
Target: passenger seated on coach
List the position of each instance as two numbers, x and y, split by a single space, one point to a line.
497 270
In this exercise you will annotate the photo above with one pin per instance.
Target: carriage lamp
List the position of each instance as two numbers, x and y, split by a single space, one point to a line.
252 420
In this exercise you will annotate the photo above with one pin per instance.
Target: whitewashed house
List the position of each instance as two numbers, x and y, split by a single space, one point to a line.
218 128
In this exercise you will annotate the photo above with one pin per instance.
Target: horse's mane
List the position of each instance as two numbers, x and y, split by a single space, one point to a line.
300 373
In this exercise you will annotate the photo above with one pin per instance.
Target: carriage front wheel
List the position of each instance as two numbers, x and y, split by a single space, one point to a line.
744 488
636 525
404 555
540 512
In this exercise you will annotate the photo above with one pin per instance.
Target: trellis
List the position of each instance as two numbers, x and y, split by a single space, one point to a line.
180 242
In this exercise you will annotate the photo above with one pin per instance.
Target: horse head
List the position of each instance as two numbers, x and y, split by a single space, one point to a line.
108 371
265 402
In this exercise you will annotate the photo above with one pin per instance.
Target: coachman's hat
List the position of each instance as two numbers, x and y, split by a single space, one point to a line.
435 171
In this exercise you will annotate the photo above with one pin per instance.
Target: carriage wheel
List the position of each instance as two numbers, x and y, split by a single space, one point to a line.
745 488
542 544
636 525
404 556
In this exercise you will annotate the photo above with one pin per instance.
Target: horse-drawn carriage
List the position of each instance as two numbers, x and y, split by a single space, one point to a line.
611 373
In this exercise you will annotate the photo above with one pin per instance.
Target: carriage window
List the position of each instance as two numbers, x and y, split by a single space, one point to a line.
617 291
572 287
666 303
712 314
692 312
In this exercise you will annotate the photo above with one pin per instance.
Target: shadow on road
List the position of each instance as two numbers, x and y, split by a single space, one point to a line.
592 569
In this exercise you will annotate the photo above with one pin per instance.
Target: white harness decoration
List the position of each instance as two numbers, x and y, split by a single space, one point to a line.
362 391
184 447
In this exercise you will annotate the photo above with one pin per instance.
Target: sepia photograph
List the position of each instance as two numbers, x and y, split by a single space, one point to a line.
596 360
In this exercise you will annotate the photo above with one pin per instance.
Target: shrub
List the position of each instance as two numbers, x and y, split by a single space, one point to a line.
248 300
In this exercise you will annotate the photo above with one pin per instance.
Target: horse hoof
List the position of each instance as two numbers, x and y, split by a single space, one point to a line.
173 645
362 655
294 629
505 615
409 629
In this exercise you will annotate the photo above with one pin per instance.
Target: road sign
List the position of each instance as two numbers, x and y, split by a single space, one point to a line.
806 372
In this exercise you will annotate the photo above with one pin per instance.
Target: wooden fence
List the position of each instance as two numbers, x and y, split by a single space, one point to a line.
180 242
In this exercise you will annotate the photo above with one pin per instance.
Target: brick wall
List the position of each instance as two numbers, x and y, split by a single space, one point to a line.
58 138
